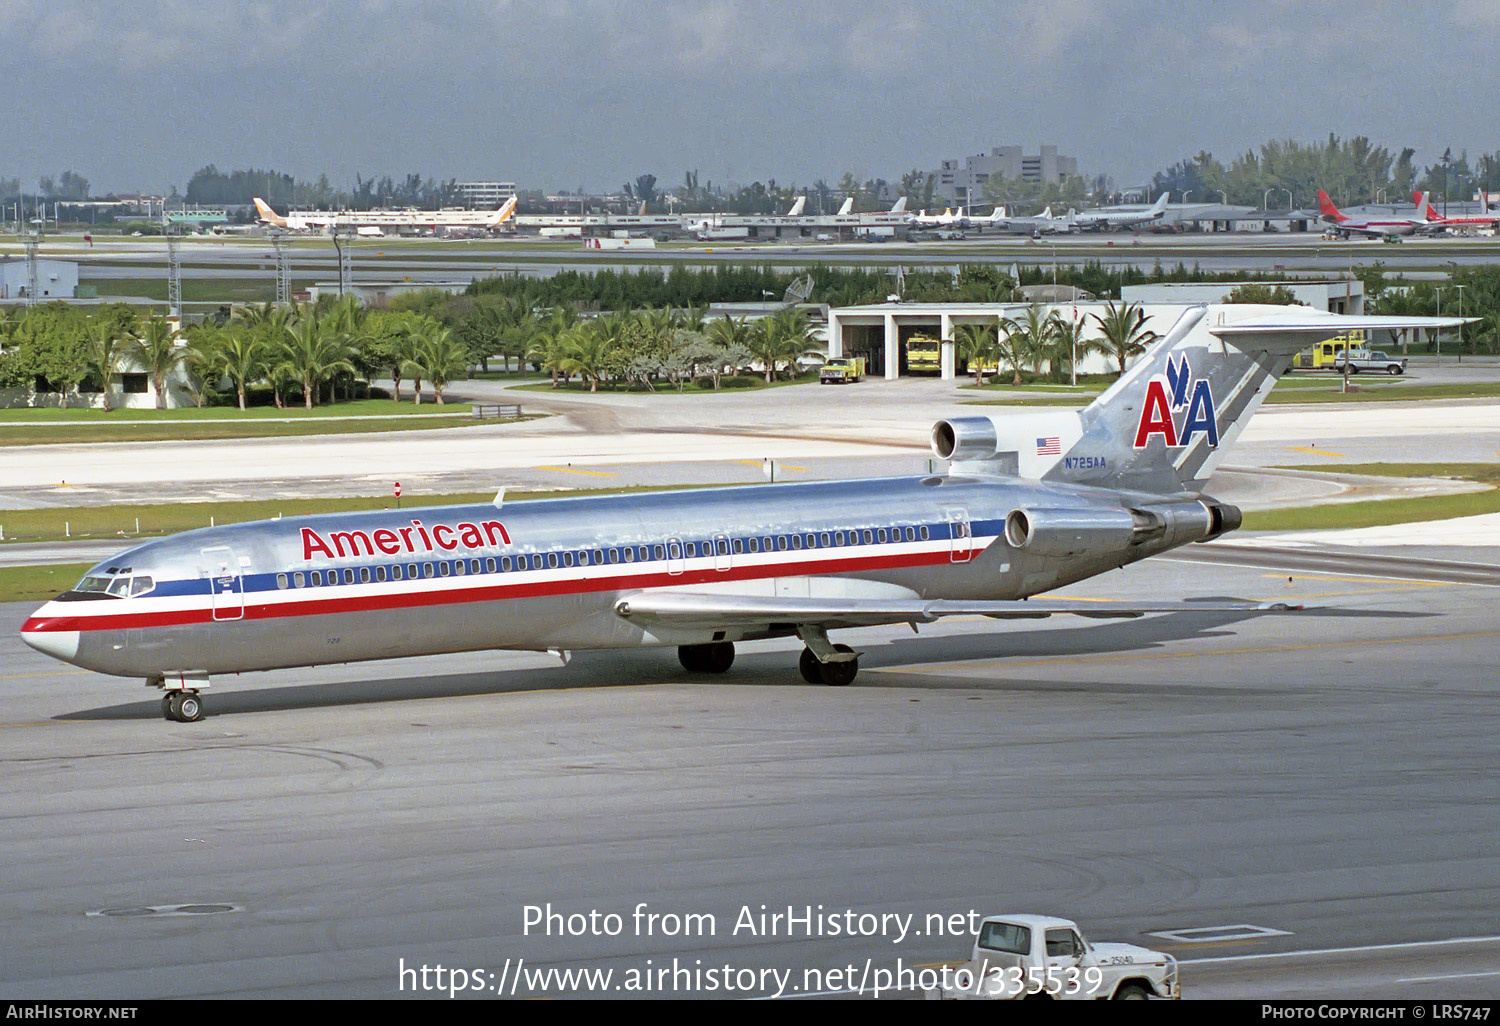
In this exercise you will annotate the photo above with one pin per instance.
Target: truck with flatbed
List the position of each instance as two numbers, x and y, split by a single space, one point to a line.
842 370
1021 957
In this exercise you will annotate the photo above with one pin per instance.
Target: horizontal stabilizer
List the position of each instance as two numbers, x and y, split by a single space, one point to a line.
686 609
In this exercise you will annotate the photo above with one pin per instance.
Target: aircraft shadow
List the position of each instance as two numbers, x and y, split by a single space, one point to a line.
753 667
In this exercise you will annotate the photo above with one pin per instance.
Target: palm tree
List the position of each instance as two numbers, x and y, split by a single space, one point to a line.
311 356
157 349
1069 344
1011 347
103 352
441 357
1122 332
241 356
1036 330
976 344
586 353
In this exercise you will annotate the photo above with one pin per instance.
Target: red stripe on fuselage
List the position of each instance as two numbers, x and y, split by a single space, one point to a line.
336 604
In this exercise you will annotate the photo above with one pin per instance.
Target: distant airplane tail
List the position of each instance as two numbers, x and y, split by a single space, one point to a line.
1425 210
1160 206
900 206
847 208
1328 210
1046 215
268 215
507 209
796 210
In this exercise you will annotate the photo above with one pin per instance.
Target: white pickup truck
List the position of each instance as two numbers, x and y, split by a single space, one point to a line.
1045 958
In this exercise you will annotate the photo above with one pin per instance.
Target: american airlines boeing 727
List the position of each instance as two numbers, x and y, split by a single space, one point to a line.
1029 503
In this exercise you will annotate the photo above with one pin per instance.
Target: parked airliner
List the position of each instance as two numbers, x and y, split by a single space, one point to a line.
1029 503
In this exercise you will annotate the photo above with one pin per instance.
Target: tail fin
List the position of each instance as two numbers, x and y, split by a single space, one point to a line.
1046 215
1326 207
267 214
1160 206
847 208
900 206
796 210
504 213
1425 210
1165 424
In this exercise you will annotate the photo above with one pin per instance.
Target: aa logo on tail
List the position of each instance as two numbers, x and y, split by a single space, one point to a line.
1167 395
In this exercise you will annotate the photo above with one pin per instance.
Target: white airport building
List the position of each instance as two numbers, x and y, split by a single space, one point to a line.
55 279
879 332
485 195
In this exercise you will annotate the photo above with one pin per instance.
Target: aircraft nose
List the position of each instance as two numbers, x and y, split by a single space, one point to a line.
59 644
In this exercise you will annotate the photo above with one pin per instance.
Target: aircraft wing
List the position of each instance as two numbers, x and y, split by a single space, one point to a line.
687 609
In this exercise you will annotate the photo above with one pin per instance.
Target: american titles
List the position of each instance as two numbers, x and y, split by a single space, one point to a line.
404 540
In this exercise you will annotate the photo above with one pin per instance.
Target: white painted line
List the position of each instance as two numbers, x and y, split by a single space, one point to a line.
1340 951
1215 934
1450 976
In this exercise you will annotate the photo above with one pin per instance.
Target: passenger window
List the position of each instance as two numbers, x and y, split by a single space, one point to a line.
317 578
380 574
881 535
614 555
923 532
428 570
281 581
348 575
827 539
505 563
489 565
364 575
583 558
598 557
781 542
459 567
754 544
869 537
812 541
659 552
723 546
629 554
552 560
444 569
739 547
474 566
298 580
911 534
396 572
796 541
838 537
411 571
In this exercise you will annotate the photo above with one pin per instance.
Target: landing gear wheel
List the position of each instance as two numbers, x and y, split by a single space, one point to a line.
839 675
810 667
166 708
183 706
715 658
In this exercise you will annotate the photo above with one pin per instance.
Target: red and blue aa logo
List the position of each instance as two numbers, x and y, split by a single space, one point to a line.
1166 396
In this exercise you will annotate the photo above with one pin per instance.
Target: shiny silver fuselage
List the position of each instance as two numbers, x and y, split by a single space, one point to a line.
547 574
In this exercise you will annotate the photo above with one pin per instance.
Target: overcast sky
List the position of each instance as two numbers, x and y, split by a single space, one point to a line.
561 93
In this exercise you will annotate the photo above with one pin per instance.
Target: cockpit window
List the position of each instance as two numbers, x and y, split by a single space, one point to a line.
118 582
120 587
140 585
92 584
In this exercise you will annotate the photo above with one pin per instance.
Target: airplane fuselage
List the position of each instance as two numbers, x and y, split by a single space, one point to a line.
548 574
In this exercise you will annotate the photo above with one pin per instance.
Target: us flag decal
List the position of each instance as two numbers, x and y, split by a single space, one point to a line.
1051 446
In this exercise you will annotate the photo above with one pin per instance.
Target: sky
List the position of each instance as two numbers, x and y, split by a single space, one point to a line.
558 94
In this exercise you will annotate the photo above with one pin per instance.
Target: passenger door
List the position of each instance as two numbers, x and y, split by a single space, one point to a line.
225 583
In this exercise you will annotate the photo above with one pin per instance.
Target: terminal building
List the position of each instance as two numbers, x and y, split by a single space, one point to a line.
55 279
485 195
964 186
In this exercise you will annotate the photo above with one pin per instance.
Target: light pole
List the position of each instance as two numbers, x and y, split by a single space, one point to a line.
1460 327
1290 203
1265 201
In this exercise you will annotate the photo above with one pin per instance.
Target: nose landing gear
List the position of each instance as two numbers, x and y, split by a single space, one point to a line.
181 703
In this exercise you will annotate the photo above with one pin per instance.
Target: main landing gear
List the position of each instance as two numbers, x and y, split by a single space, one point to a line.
821 663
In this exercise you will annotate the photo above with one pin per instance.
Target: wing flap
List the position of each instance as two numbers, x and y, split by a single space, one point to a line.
686 609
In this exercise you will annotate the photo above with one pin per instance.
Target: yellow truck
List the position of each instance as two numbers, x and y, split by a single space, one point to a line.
842 370
924 355
1326 354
